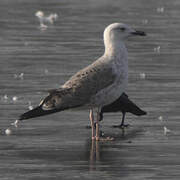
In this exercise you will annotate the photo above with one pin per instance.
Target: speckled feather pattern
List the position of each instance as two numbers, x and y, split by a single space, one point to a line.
98 84
81 88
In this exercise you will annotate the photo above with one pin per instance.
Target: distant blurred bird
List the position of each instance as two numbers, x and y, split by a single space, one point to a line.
122 104
46 19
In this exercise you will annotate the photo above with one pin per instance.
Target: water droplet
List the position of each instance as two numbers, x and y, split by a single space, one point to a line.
15 76
142 75
144 21
160 118
5 97
8 131
160 9
21 76
46 71
166 130
15 123
15 98
30 107
157 49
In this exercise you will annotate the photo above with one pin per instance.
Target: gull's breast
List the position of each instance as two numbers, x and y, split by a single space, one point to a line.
113 91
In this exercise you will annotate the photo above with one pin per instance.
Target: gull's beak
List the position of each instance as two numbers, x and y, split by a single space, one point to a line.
138 33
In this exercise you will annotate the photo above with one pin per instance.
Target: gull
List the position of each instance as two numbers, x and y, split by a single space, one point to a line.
95 86
46 19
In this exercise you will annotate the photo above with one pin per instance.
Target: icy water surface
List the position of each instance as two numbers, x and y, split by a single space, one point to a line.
34 60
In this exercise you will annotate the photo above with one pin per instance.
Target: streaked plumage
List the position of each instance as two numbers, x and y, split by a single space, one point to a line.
98 84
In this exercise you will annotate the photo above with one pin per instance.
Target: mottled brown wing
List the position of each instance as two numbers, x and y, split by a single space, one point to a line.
90 80
79 89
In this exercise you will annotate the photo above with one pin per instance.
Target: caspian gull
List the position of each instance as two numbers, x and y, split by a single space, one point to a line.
98 84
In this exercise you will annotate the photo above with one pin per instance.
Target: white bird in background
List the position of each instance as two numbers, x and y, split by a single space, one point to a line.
96 85
51 18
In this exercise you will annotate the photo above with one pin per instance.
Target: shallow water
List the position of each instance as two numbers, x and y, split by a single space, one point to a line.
58 146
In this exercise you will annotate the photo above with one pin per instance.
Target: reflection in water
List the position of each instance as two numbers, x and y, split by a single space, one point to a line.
94 155
50 152
91 157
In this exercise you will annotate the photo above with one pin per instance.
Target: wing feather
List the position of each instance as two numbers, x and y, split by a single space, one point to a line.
79 89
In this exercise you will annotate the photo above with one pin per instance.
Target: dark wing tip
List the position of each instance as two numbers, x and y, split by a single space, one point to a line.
38 111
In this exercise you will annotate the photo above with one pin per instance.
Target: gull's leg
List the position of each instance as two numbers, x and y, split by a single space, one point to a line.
123 118
101 118
122 125
91 117
92 155
98 138
122 122
89 126
97 151
97 125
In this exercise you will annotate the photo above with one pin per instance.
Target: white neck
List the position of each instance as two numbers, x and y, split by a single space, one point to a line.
115 48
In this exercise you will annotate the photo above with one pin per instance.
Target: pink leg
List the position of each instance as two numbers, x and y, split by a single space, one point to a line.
97 125
91 117
98 138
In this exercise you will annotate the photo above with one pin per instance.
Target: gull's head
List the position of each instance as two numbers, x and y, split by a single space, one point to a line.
39 14
118 31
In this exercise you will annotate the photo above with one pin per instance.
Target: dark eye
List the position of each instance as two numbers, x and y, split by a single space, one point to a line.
122 29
